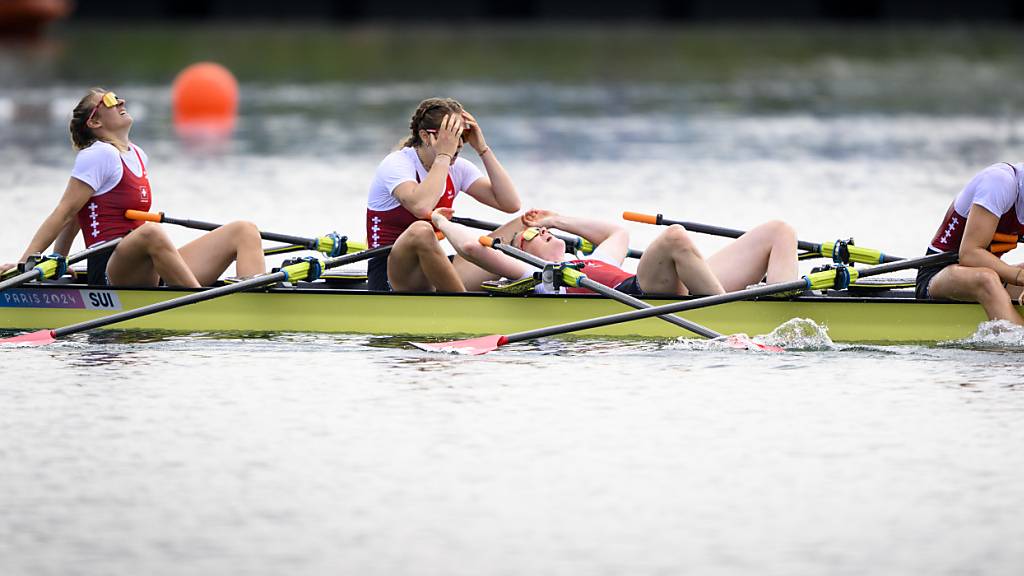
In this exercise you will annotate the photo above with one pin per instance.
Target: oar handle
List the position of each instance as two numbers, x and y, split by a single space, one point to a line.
46 270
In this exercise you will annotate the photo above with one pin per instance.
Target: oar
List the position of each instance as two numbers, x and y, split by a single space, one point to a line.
573 243
856 253
813 281
308 268
54 265
573 277
330 245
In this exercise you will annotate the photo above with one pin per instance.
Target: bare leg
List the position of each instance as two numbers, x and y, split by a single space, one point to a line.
210 255
146 255
768 249
418 264
673 265
981 285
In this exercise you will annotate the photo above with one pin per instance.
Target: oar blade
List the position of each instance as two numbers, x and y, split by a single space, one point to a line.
473 346
37 338
744 342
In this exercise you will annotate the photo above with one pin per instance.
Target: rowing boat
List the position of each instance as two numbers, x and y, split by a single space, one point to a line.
877 316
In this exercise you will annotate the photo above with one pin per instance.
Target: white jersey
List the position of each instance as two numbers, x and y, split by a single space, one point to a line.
100 165
404 166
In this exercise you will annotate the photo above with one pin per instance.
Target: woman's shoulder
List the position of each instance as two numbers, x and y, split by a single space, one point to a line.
99 149
400 158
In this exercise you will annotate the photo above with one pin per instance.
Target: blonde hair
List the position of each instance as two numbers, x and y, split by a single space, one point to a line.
81 135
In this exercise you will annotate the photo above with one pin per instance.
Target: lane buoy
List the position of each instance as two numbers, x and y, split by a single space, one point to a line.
204 99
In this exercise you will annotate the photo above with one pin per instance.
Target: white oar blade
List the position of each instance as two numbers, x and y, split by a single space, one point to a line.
473 346
33 338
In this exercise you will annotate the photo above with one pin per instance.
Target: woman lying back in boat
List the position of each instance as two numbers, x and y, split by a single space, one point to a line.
990 206
427 173
110 176
672 264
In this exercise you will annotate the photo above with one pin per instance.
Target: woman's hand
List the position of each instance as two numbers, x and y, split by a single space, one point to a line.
540 218
6 266
442 214
473 134
448 136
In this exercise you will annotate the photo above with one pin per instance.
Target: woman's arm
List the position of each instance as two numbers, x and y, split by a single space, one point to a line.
66 238
497 189
466 242
981 226
611 238
75 196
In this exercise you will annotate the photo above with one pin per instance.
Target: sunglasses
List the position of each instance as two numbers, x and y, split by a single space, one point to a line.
109 100
526 235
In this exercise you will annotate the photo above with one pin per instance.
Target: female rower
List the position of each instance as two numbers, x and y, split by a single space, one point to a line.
110 176
992 203
670 265
427 173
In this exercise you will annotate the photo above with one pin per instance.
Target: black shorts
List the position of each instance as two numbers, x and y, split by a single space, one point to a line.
925 275
96 269
630 286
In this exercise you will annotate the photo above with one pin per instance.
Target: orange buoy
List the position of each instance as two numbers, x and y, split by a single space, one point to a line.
204 99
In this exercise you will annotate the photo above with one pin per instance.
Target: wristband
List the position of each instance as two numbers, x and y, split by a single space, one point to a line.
484 151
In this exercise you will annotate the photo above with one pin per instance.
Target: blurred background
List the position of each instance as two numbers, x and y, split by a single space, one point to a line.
847 118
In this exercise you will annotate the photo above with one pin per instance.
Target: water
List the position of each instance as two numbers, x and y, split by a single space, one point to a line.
157 453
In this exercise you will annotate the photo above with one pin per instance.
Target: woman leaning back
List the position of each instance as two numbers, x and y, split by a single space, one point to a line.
110 176
424 174
989 206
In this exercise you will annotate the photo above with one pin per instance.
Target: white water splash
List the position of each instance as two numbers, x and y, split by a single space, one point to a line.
799 334
992 334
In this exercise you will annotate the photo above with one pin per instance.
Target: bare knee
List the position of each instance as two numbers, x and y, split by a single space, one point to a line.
987 286
420 236
678 238
153 237
243 231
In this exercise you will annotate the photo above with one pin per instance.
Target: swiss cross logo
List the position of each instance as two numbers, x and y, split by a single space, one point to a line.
143 192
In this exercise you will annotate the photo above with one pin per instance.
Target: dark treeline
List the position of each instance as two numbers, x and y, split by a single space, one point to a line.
342 11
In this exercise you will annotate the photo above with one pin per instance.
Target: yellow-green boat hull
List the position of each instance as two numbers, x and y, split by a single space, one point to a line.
848 319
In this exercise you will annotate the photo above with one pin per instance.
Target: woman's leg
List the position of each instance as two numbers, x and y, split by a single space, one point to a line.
418 264
210 255
768 249
144 256
673 265
981 285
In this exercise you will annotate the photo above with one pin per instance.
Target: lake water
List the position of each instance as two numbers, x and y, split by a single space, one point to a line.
155 453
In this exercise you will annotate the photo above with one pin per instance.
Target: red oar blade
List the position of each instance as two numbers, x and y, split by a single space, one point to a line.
473 346
744 342
32 338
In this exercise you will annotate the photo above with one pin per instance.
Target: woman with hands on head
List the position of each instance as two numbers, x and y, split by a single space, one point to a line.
110 176
672 264
427 173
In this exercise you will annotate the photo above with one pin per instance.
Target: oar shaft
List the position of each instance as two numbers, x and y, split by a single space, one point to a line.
706 301
856 253
310 243
209 294
616 295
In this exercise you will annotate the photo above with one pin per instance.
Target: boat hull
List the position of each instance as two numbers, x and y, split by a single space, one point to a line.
848 319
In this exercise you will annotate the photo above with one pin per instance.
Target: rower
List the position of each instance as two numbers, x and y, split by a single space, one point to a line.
982 224
110 176
672 264
427 173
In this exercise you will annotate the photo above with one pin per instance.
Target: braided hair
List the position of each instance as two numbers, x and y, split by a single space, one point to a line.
428 116
81 135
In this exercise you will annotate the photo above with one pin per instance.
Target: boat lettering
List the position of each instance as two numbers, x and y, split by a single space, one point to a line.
101 300
52 298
